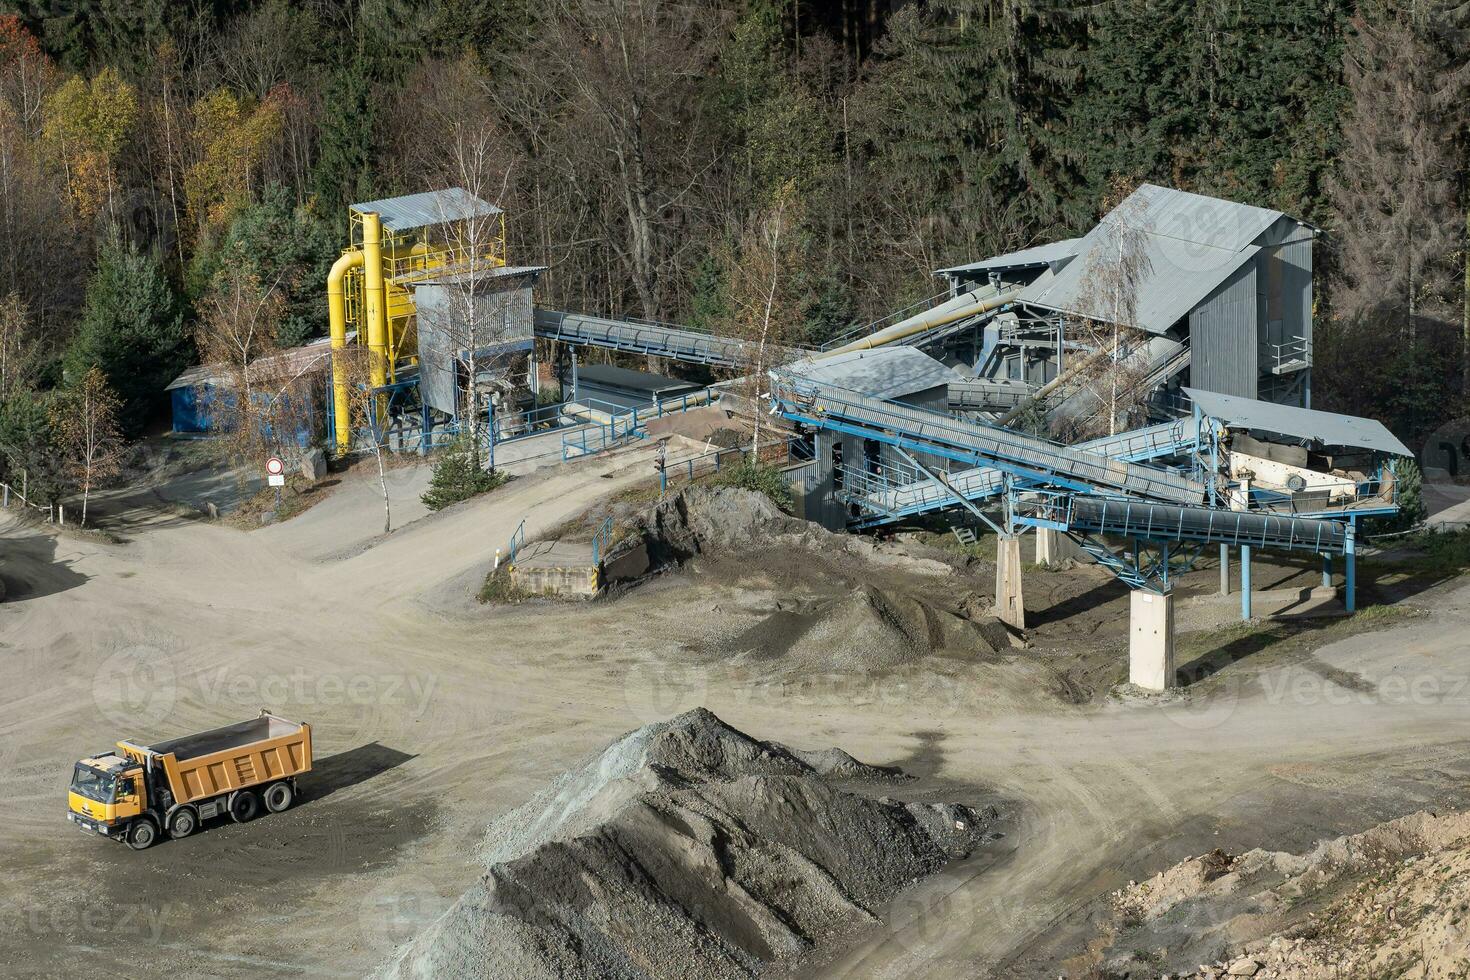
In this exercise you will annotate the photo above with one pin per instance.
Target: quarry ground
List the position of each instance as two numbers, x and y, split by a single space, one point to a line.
432 714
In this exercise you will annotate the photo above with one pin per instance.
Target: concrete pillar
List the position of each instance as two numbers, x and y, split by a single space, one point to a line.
1053 547
1224 569
1151 640
1009 607
1245 581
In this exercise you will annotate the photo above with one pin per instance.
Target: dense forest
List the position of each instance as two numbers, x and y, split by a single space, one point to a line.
154 151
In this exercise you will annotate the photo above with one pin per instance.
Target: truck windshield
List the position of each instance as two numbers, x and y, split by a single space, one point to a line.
92 784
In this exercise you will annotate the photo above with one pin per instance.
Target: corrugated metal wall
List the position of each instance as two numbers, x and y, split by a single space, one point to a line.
1222 333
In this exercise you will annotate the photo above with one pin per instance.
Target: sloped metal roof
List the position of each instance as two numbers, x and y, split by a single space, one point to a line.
427 208
1036 255
883 372
1327 428
1179 275
1195 218
1191 244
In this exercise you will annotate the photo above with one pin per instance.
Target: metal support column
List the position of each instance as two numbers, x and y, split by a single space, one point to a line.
574 376
1224 569
1245 581
1326 571
1350 576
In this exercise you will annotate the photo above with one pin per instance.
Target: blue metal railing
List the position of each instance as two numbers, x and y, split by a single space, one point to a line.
601 539
517 541
623 423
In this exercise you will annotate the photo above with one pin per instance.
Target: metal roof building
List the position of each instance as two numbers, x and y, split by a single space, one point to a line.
1224 288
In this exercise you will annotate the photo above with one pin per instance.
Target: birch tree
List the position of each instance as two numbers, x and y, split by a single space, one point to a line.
86 431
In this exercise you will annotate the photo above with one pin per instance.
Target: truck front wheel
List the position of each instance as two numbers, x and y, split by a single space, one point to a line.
278 796
142 835
183 823
243 805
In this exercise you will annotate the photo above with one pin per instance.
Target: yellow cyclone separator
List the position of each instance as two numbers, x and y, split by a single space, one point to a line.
374 309
337 323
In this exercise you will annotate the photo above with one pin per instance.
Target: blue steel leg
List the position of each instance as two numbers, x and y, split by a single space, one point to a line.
1350 578
1245 581
426 433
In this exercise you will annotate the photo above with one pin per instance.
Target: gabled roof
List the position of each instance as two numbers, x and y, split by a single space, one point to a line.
428 208
289 362
1328 428
1191 244
1048 254
882 372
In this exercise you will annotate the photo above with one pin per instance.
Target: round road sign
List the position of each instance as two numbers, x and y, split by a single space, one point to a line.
274 466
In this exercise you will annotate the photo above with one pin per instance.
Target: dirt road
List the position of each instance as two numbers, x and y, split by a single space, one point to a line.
432 714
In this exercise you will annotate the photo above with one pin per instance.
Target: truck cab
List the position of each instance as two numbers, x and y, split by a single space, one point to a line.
108 793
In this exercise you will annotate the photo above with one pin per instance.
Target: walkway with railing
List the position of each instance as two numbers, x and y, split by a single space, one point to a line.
1028 458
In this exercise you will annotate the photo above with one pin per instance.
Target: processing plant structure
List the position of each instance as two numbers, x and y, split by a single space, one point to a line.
1030 395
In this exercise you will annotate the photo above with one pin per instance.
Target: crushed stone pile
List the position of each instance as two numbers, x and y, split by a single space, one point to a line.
864 630
687 849
724 520
1393 901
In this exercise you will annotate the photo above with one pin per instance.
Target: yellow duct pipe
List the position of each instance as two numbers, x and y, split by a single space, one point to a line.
373 313
964 305
337 323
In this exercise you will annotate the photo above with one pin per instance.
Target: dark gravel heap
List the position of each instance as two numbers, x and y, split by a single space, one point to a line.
687 849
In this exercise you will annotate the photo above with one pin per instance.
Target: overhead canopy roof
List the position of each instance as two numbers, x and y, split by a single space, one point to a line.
428 208
482 276
1304 423
883 372
1048 254
1190 245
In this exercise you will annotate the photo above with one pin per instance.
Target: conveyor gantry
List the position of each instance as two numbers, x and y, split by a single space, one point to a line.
1027 458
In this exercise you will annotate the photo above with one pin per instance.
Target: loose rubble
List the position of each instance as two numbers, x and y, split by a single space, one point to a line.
688 849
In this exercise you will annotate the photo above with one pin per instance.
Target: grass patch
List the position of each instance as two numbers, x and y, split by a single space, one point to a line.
499 588
750 474
259 509
1437 553
1202 654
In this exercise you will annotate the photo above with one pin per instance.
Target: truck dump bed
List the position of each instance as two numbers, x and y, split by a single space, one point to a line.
238 756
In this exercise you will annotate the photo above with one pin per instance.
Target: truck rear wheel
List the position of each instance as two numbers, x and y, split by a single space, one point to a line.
183 823
278 796
142 835
243 805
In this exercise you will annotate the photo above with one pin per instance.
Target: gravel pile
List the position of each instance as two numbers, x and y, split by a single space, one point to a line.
687 849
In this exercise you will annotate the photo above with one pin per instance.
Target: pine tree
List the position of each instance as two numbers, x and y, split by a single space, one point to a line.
133 329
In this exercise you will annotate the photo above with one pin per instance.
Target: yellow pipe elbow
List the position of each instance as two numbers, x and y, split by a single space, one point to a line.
337 324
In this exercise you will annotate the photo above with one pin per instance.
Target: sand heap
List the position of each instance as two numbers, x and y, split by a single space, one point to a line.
687 849
1389 902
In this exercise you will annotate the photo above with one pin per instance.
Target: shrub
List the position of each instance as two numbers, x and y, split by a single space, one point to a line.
458 476
748 474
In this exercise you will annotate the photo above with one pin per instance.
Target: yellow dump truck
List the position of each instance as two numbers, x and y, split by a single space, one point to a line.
141 791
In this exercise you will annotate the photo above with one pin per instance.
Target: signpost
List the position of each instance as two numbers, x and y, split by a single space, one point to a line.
275 474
